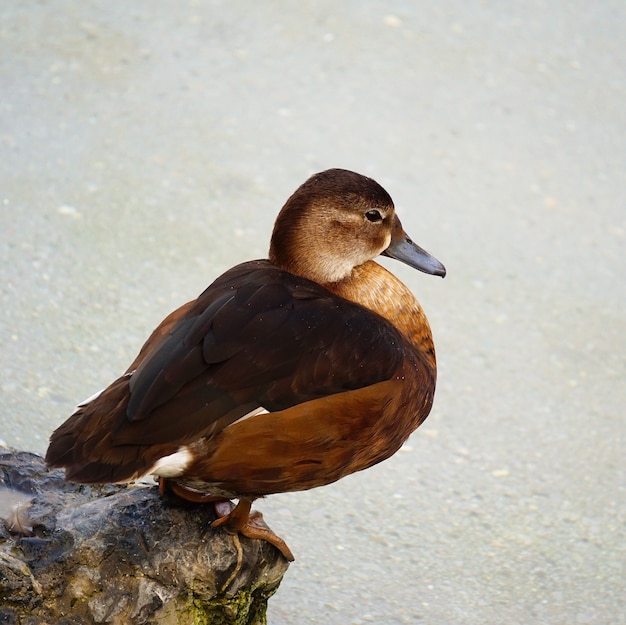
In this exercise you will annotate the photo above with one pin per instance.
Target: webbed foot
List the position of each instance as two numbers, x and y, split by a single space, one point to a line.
240 520
237 519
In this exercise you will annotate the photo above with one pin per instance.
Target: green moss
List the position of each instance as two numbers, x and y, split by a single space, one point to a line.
248 607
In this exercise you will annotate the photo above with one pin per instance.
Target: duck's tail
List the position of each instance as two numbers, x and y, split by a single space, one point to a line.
83 445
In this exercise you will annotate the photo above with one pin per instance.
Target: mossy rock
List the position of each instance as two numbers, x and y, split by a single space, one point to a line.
122 555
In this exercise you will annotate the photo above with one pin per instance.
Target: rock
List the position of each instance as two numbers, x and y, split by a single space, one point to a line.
77 554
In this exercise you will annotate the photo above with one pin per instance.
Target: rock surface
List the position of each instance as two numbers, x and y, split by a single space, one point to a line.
76 554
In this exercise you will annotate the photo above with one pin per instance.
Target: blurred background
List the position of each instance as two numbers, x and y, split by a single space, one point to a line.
147 146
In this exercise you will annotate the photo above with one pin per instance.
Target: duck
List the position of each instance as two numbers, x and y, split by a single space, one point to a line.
285 374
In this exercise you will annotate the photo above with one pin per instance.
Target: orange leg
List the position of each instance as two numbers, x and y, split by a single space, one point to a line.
235 520
241 521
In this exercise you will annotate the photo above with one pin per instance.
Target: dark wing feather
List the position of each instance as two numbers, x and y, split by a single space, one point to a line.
258 336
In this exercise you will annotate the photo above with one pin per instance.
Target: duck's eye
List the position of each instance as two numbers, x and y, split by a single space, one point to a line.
374 215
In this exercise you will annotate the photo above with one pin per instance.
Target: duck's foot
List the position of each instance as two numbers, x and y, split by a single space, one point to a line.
240 520
235 520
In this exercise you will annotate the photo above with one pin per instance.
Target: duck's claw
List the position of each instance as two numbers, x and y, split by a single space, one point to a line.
239 520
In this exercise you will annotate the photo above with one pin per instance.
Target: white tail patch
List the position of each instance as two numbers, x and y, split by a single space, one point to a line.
176 464
173 465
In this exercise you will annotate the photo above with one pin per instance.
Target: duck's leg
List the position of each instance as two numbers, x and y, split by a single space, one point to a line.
251 524
235 519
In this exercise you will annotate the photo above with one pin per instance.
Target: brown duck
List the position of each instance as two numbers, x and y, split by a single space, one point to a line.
285 374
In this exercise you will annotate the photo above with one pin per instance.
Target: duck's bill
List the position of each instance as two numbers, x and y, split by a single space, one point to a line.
403 249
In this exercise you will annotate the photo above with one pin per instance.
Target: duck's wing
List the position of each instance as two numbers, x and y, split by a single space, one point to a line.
258 337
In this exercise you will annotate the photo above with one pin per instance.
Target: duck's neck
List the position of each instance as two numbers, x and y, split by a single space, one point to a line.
372 286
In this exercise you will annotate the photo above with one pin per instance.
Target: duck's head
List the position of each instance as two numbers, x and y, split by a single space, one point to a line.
338 220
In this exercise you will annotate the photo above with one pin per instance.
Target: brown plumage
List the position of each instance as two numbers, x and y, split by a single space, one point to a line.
285 374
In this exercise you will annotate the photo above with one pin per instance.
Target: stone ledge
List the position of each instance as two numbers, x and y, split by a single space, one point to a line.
121 555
